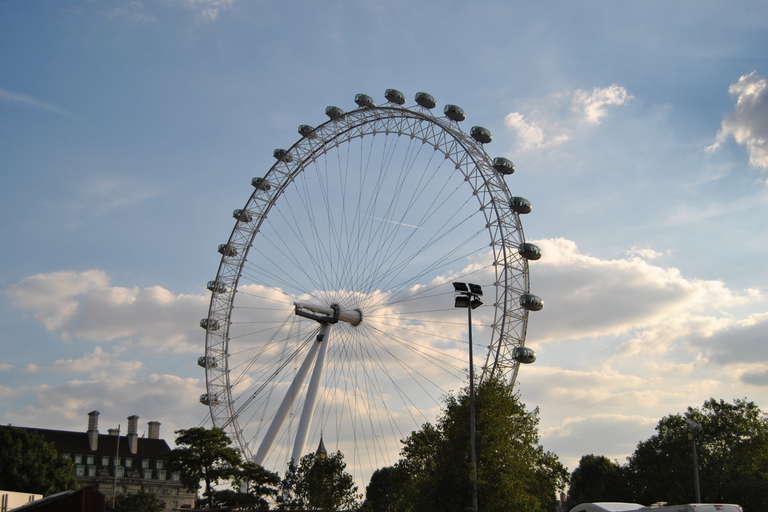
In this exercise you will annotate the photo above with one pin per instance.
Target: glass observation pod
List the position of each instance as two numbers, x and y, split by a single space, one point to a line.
454 113
333 112
227 250
261 184
481 135
207 362
395 96
364 101
209 324
307 131
520 205
524 355
216 287
425 100
242 215
282 155
209 400
531 302
529 251
503 165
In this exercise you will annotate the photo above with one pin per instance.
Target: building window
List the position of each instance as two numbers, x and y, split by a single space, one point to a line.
161 474
117 461
78 459
175 476
91 470
105 461
79 470
90 460
147 474
128 462
119 471
159 464
145 463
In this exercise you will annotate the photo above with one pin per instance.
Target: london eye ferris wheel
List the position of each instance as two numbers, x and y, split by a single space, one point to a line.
331 312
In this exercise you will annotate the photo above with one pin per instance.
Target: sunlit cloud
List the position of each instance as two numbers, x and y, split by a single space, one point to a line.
85 306
748 123
557 118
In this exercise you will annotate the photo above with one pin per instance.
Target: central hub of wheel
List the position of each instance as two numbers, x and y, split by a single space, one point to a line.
328 314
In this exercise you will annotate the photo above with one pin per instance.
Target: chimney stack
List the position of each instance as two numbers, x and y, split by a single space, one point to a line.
93 430
154 430
133 434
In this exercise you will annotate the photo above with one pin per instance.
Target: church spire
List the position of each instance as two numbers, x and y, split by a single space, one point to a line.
321 452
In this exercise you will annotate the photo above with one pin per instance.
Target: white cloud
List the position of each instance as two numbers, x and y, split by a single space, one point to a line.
209 9
97 364
555 119
29 101
132 11
85 306
748 123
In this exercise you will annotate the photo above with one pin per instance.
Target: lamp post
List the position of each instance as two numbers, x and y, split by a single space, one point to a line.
468 296
694 427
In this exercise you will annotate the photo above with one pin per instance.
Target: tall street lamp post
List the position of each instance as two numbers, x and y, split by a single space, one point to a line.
468 296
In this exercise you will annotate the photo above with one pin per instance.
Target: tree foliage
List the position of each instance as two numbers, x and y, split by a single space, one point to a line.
28 463
513 470
732 448
319 482
139 502
205 455
598 478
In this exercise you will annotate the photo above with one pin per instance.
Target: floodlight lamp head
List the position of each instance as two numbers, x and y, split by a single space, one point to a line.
692 424
460 287
462 301
475 289
476 303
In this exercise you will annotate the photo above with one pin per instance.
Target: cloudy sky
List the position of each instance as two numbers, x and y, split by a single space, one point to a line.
129 130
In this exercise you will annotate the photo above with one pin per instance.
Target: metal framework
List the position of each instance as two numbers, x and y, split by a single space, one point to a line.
417 125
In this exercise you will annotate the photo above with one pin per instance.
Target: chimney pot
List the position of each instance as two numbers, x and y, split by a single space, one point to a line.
154 430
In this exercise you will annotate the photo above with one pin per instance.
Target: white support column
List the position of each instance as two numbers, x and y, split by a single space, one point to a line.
285 406
311 398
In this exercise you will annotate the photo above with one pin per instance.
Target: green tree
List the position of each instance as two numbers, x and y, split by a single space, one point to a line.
28 463
597 478
514 472
139 502
732 448
255 487
320 482
384 493
204 455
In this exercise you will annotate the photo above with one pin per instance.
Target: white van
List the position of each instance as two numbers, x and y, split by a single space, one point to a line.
627 507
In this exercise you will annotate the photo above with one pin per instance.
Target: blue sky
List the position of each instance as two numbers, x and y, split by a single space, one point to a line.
130 130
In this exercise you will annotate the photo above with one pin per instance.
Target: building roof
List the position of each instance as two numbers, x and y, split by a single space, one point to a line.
77 443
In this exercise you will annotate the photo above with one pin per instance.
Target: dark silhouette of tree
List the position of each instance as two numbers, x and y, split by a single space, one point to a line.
384 492
732 448
28 463
514 472
319 482
139 502
597 478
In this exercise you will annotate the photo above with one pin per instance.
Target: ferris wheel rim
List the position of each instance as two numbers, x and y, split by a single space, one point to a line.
334 132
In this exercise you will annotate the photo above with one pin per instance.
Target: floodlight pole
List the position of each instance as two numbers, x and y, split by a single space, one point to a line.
469 297
692 437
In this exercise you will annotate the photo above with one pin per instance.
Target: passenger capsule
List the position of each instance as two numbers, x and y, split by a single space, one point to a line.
531 302
503 165
209 324
364 101
209 400
207 362
333 112
481 135
227 250
529 251
523 355
395 96
242 215
425 100
282 155
216 287
520 205
454 113
260 184
307 131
